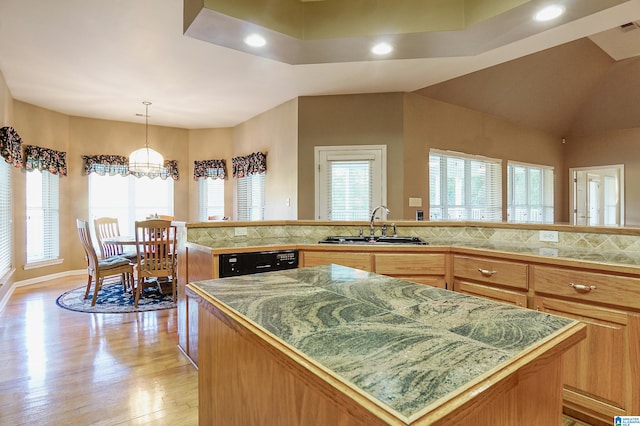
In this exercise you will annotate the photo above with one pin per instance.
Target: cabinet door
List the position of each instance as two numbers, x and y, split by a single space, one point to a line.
360 261
598 377
498 294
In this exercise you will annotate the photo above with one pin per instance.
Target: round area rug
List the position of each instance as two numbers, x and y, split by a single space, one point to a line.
111 299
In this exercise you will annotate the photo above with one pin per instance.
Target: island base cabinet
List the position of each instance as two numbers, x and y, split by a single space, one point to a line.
601 377
246 378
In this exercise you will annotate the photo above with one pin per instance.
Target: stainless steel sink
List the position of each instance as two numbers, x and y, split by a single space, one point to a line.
373 241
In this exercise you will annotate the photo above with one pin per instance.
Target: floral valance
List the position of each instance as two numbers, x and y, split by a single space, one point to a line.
10 146
106 165
214 169
119 165
252 164
50 160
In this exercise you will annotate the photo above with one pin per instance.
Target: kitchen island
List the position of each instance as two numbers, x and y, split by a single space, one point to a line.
336 345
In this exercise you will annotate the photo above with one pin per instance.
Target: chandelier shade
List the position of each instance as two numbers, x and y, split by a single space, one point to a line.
146 160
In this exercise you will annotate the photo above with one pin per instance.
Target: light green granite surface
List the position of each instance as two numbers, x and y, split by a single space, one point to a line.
403 343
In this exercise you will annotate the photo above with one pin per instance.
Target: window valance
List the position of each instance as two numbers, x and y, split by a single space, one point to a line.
252 164
119 165
106 165
214 169
50 160
10 146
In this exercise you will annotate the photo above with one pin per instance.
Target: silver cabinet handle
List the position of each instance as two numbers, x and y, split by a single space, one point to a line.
486 272
582 287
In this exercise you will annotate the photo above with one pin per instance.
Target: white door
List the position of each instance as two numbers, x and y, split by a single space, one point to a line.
597 195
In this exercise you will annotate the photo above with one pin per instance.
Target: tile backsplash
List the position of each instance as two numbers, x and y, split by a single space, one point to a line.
309 233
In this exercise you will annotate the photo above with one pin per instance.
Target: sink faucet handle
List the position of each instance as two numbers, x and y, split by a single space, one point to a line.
395 231
384 229
361 233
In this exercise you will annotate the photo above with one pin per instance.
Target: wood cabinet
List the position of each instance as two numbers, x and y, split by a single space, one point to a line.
602 373
421 268
358 260
492 278
418 267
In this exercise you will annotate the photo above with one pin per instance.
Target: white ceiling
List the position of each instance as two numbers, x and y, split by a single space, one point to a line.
102 59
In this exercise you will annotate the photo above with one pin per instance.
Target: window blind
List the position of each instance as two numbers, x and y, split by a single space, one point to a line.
43 217
129 198
529 193
6 218
250 197
464 187
349 189
210 198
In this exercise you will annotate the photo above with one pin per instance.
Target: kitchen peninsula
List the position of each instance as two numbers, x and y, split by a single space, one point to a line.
337 345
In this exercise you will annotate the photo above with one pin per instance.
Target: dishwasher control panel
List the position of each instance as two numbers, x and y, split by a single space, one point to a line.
253 262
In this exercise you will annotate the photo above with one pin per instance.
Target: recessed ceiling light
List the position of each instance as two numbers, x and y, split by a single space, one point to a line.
382 49
548 13
255 40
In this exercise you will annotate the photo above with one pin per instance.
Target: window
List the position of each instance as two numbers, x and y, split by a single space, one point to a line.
529 193
210 198
250 197
351 180
6 218
464 187
129 198
43 227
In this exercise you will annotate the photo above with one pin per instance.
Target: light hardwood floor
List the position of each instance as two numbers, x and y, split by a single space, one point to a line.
59 367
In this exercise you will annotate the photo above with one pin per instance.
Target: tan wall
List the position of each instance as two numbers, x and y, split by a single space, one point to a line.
429 123
370 119
84 136
611 148
275 133
210 144
49 129
6 103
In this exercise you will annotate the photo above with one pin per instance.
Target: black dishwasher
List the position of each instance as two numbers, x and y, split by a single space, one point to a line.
235 264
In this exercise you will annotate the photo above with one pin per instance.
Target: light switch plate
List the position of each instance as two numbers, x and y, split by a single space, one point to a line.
415 202
240 232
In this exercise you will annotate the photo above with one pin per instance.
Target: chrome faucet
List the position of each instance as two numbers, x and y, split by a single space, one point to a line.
373 216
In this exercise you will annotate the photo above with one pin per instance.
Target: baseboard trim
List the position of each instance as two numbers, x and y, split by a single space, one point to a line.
5 295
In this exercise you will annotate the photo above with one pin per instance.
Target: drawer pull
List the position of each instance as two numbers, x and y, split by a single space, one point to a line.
582 287
486 272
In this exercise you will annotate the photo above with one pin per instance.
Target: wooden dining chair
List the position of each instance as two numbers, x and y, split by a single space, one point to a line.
156 246
107 227
99 269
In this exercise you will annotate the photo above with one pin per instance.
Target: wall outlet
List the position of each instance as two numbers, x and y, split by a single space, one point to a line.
548 251
549 236
240 232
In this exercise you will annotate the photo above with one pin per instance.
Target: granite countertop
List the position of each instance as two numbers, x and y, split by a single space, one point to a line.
610 257
404 344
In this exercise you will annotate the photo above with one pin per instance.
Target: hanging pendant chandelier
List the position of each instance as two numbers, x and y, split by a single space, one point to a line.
146 160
